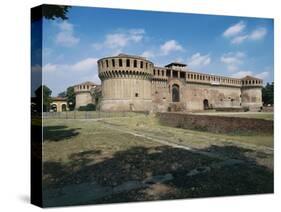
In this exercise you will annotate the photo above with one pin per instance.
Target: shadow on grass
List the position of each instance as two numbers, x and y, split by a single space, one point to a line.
58 133
139 163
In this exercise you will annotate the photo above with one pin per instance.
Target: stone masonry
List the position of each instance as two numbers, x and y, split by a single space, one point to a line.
133 83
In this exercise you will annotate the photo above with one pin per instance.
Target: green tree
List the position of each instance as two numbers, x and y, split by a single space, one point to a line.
50 12
70 97
62 94
43 96
88 107
268 94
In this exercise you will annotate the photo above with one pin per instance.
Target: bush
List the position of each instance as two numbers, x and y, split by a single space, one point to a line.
88 107
246 108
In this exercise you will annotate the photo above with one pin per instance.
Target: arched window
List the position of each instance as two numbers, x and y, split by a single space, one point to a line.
113 62
106 63
54 107
141 64
120 63
175 93
135 64
128 63
206 104
63 107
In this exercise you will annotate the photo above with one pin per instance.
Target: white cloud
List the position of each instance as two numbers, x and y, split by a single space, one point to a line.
258 34
96 79
120 40
239 39
262 75
148 54
238 36
51 67
234 29
170 46
85 64
255 35
65 26
232 60
244 73
241 74
197 60
65 36
80 66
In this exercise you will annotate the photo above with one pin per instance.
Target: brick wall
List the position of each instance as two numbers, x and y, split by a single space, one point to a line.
217 124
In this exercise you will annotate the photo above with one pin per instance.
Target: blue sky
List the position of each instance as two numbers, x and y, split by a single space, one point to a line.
223 45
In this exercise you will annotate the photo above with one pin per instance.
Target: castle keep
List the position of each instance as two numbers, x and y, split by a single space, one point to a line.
133 83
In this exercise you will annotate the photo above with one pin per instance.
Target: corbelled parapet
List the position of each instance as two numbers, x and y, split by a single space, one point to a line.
126 83
83 93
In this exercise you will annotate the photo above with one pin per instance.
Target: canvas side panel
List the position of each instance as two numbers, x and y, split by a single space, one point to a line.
36 106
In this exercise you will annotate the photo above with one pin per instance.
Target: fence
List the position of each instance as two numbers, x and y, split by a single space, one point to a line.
87 114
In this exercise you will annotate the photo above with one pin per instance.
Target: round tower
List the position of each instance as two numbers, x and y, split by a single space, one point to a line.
251 93
126 83
83 94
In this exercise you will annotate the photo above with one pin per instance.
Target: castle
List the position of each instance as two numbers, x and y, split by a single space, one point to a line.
133 83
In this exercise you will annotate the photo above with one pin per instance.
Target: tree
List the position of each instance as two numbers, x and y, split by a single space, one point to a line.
88 107
70 98
50 12
43 96
268 94
62 94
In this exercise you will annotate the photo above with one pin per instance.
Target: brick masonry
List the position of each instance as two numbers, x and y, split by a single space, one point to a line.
216 124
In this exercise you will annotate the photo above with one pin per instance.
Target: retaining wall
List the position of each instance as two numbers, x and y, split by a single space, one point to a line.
217 124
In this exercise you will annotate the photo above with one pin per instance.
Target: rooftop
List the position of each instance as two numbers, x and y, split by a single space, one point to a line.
176 64
87 83
250 78
58 98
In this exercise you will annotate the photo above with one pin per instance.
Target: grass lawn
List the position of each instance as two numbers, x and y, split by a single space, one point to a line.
197 139
122 153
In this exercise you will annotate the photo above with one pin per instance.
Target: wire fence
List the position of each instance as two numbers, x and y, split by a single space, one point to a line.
88 114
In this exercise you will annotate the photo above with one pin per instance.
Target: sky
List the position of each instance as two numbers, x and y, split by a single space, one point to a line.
221 45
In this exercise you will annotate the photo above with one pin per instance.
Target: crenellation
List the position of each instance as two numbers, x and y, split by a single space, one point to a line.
133 83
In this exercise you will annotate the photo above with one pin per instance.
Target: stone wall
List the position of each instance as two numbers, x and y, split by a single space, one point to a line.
133 83
252 98
83 98
216 124
217 96
192 95
126 83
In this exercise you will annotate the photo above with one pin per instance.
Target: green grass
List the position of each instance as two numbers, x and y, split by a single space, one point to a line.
107 152
150 125
84 135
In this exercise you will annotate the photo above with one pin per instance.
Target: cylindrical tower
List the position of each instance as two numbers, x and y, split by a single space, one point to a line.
83 94
126 83
251 93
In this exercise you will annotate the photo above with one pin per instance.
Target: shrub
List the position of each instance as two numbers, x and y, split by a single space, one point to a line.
88 107
246 108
